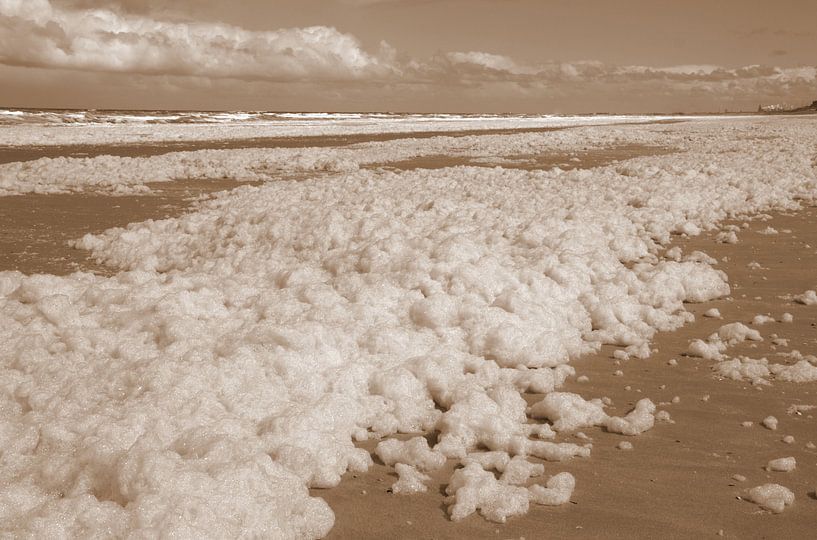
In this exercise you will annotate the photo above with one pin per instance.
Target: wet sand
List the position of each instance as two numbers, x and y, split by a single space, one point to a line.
677 481
9 154
582 159
35 228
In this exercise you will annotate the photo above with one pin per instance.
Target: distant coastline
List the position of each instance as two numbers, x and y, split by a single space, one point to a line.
11 116
783 109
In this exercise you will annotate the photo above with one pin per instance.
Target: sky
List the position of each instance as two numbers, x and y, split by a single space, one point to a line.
516 56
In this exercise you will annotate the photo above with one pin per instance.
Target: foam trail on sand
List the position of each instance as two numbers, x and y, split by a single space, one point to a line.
127 174
49 128
245 347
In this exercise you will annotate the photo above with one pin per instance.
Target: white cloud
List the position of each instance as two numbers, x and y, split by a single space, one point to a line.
36 33
70 35
494 62
690 69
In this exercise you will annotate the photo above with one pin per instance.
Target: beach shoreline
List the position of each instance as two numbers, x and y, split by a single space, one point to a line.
31 152
9 154
679 478
36 228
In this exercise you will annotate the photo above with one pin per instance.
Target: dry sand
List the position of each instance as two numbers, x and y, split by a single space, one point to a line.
676 482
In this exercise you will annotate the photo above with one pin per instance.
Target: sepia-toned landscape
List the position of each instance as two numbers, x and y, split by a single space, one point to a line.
381 280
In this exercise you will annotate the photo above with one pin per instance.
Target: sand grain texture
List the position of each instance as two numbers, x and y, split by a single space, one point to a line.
677 481
35 229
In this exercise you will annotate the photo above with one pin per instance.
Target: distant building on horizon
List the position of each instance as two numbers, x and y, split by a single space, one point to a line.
777 107
786 108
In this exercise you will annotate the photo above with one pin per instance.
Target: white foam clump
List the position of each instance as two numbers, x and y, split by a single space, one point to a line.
713 313
762 319
637 421
515 471
243 348
760 371
557 491
569 412
410 480
808 298
802 371
519 470
773 497
744 368
414 452
123 175
496 421
786 464
491 460
701 257
474 489
727 336
708 350
734 333
770 422
727 237
675 253
127 175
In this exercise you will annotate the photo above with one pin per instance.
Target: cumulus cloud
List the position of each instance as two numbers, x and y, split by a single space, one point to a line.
139 37
601 86
37 33
134 6
503 67
488 61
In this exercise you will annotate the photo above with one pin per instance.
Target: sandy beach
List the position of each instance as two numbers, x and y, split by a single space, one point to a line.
9 154
191 277
677 481
355 269
36 228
